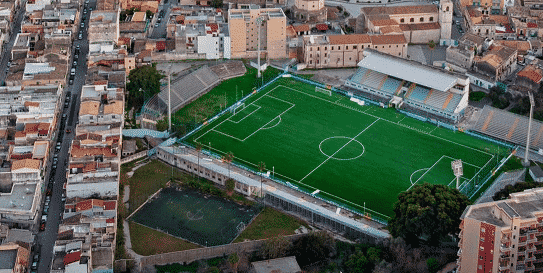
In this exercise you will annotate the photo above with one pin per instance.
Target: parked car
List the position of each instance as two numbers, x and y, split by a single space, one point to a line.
71 81
72 72
80 37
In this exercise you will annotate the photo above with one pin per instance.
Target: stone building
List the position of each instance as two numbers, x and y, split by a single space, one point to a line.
419 23
103 26
310 10
324 51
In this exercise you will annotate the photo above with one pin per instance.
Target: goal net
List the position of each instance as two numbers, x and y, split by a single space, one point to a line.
238 107
324 91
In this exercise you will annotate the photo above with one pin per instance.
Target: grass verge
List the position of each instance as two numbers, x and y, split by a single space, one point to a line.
146 241
270 223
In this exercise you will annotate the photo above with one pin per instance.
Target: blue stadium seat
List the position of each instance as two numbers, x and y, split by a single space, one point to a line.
391 85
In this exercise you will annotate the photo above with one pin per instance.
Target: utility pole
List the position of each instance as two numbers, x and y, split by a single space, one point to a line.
526 162
169 105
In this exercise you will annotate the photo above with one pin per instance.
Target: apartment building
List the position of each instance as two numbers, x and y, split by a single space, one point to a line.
246 24
503 236
103 26
324 51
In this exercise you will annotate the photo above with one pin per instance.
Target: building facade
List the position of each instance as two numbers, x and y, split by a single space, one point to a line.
243 25
503 236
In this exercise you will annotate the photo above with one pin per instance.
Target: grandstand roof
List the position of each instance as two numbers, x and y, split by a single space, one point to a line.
407 70
508 127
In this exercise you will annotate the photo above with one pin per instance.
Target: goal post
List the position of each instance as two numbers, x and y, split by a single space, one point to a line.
238 107
323 90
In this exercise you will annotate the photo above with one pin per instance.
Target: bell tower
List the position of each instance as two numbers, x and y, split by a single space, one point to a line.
445 18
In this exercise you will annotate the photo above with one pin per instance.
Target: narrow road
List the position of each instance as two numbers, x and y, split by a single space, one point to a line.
6 53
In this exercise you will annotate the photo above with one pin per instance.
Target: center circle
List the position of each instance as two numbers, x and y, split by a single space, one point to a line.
338 143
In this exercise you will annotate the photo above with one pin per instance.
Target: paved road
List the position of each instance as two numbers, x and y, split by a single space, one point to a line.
46 239
7 48
160 31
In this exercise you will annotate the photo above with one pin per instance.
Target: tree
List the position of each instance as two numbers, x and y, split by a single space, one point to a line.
275 247
230 184
261 167
427 210
314 247
198 149
358 263
433 265
217 3
233 259
228 157
143 83
149 14
432 46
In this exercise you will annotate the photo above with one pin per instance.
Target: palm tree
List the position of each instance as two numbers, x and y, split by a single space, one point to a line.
198 149
261 167
228 157
432 46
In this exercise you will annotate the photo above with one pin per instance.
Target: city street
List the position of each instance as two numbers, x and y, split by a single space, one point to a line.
160 31
7 48
46 239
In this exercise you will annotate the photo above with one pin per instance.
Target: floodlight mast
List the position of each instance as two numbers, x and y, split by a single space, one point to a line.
526 162
458 171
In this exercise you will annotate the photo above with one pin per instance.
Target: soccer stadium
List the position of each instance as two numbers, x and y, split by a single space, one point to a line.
344 147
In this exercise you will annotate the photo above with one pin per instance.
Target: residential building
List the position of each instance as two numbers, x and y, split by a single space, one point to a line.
462 56
15 258
103 26
503 236
324 51
312 11
254 26
494 66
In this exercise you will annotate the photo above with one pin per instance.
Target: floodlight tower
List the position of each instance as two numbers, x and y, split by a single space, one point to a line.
458 171
259 21
526 162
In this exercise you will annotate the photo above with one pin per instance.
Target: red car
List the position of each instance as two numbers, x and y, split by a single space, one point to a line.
42 226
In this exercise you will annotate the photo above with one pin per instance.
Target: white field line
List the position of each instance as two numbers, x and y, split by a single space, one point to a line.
425 173
405 126
244 116
340 149
226 135
464 162
196 139
268 122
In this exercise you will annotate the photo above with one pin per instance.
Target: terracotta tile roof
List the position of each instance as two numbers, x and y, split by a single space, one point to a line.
160 45
531 72
110 205
390 29
300 28
385 22
500 19
20 134
521 46
180 19
25 163
31 128
32 103
89 204
349 39
532 25
396 10
423 26
77 151
89 108
72 257
114 107
322 27
214 27
110 221
101 82
388 39
291 32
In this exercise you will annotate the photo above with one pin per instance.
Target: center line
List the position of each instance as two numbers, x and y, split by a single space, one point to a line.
339 150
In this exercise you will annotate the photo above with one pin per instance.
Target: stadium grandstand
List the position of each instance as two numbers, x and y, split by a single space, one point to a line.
508 127
411 85
190 87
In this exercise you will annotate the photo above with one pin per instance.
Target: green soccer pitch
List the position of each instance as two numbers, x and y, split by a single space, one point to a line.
360 156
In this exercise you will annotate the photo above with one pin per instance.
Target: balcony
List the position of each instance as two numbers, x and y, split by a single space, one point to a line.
504 266
505 247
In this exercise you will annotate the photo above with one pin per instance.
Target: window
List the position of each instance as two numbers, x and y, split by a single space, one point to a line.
310 55
325 55
362 46
422 19
325 48
483 230
310 62
447 9
402 20
332 48
346 47
412 20
431 19
318 48
481 248
483 239
354 47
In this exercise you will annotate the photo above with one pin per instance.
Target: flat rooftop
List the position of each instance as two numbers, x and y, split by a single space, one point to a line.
7 258
21 197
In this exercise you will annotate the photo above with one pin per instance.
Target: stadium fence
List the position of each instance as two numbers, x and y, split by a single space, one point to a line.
486 138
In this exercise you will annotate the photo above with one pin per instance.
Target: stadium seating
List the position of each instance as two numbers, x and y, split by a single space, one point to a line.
437 99
373 79
453 103
391 85
419 93
229 69
359 75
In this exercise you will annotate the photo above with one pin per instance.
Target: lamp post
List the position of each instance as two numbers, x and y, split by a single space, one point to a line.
526 162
